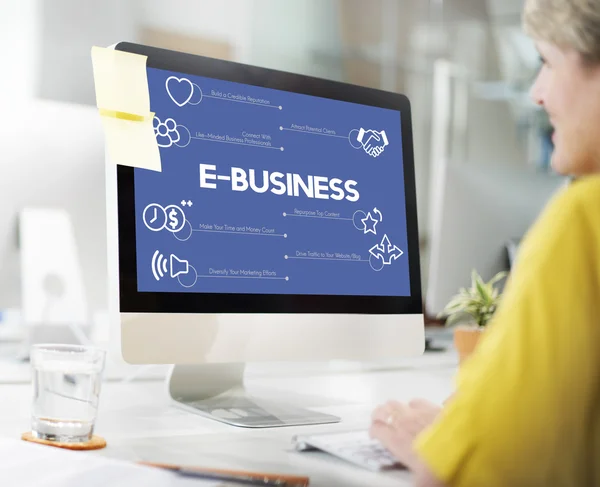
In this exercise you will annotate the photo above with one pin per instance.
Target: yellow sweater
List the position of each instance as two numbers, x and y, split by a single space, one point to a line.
527 405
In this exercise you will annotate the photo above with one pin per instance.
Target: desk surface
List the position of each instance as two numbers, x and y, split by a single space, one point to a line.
140 424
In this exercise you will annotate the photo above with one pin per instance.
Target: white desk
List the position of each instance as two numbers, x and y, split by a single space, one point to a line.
139 424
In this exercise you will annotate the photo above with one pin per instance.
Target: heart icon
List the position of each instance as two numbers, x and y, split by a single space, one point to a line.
179 89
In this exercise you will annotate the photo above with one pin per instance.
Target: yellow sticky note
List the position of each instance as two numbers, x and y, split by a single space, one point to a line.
123 100
132 143
121 81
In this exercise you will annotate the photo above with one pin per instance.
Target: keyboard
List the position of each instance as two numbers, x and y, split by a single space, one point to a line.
353 446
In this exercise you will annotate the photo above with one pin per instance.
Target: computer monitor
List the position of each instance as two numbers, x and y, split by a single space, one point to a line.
282 227
479 213
53 158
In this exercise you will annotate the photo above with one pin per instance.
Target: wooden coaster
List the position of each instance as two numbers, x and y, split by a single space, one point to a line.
96 443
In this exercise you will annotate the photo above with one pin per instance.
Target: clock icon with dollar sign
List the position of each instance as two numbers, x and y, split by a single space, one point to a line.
175 218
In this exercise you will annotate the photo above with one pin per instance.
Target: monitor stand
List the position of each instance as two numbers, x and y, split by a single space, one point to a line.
217 391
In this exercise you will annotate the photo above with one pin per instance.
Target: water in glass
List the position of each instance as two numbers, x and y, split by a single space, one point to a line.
66 393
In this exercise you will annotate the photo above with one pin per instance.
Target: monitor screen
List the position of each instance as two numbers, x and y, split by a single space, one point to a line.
265 191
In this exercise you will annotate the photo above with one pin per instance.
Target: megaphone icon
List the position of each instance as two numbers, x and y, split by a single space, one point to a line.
179 266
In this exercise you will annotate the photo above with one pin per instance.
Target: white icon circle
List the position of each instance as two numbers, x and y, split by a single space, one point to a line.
162 129
376 263
361 215
174 218
170 124
185 235
353 139
197 89
192 276
180 142
154 217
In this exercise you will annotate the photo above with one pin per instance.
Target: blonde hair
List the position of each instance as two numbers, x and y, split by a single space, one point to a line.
571 24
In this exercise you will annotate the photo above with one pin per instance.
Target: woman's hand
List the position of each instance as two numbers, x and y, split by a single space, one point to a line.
397 424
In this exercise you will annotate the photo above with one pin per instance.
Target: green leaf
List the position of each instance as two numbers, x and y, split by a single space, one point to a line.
477 303
482 291
498 277
454 319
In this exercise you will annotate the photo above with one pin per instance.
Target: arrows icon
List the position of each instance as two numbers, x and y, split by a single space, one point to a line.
386 251
376 211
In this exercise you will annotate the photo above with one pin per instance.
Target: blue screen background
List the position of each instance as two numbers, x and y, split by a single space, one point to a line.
236 261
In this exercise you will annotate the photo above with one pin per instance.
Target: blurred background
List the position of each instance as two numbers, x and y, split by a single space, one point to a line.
480 144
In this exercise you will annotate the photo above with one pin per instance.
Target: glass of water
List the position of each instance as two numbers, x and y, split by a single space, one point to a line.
66 391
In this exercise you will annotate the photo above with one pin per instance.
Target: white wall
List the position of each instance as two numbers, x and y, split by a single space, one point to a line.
475 134
53 157
69 29
287 34
492 126
18 35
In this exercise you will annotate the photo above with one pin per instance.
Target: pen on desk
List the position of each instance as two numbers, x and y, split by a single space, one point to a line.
240 477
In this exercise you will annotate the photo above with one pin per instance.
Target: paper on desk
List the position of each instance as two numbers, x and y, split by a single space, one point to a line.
25 464
123 98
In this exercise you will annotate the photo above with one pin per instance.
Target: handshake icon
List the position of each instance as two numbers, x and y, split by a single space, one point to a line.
373 142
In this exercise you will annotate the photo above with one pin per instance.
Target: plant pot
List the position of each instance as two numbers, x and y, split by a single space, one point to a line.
466 339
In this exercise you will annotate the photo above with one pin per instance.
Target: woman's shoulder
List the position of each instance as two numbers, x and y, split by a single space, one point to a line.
586 188
574 211
580 197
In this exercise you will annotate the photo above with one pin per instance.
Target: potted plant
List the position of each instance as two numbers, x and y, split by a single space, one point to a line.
473 309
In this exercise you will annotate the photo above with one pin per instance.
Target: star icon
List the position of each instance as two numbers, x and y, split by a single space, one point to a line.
189 203
183 203
370 223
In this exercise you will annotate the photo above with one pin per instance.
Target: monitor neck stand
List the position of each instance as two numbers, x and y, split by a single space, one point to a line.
217 391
